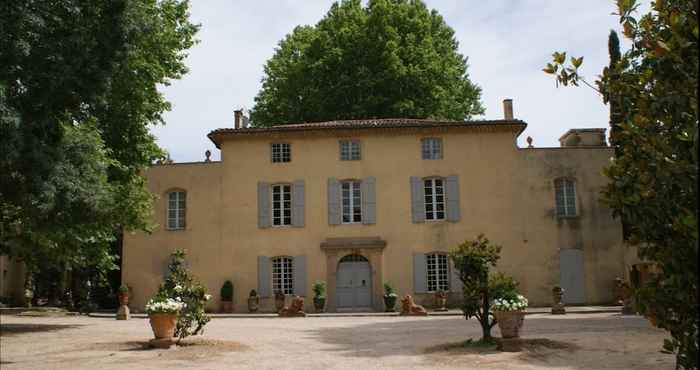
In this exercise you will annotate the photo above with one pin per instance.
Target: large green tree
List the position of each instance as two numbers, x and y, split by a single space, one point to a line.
653 176
78 92
392 58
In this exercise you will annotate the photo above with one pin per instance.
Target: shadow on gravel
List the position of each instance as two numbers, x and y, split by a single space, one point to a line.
7 330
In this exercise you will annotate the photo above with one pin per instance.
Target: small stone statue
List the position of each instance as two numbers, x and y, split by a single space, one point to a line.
207 156
296 309
440 300
558 306
529 142
409 308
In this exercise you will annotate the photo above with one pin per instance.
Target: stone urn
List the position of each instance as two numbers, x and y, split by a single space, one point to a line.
279 301
510 323
253 301
557 301
124 298
440 300
163 326
390 303
319 303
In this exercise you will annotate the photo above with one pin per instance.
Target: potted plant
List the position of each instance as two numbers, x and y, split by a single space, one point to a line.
389 297
440 300
124 295
227 297
162 313
319 289
279 301
253 301
510 314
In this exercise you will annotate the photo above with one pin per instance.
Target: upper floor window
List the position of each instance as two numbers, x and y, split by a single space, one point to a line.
565 197
176 210
431 148
434 198
281 205
438 277
349 150
282 275
281 152
352 202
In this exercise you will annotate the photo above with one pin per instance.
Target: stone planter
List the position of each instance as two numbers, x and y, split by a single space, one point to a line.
227 306
163 326
319 303
279 301
440 301
123 299
510 323
253 303
389 303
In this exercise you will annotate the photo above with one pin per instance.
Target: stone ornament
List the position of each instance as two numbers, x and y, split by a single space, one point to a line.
440 300
618 292
558 304
296 309
279 301
409 308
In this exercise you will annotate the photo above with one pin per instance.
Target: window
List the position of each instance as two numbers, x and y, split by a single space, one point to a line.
434 199
565 197
431 148
281 205
176 210
352 198
281 152
437 272
349 150
282 275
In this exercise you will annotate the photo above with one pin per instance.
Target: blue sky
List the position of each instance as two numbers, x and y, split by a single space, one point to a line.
507 43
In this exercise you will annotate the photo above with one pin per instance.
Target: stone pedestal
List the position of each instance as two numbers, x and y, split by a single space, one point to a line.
510 345
123 313
161 343
557 301
558 309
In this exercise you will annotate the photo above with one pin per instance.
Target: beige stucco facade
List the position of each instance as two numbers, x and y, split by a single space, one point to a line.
505 192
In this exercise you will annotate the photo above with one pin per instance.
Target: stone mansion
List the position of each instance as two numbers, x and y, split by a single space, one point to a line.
362 202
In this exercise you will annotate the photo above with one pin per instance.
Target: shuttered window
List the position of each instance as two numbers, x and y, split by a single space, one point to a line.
438 276
431 148
434 198
176 210
282 275
281 152
351 202
349 150
281 205
565 197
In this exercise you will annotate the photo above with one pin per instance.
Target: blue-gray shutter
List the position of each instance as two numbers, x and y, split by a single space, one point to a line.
264 284
334 212
298 203
369 201
420 273
299 275
417 200
452 198
263 205
455 283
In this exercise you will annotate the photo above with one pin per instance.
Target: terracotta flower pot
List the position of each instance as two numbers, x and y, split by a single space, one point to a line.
510 323
124 299
227 306
163 325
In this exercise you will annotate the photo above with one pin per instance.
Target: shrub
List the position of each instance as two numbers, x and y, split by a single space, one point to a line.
503 286
124 289
319 289
389 290
227 291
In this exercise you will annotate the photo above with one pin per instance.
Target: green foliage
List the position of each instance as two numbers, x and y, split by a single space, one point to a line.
78 92
389 290
653 177
473 260
227 291
392 58
124 288
182 287
319 289
253 293
502 286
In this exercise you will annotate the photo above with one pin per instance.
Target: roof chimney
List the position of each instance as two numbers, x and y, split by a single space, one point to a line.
237 114
508 109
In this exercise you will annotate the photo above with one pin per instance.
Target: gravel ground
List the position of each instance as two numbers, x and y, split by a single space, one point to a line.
572 341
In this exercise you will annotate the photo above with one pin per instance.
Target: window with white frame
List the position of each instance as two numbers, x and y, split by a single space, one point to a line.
431 148
434 198
282 275
281 205
438 276
352 201
281 152
349 150
565 197
176 210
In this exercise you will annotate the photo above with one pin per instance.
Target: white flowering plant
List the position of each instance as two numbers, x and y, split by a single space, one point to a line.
516 303
163 304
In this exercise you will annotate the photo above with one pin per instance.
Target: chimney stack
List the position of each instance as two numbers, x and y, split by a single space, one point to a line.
237 114
508 109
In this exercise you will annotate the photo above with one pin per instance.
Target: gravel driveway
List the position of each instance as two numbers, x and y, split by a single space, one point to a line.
580 341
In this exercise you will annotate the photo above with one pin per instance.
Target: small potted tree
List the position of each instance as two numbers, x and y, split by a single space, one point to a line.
162 313
124 295
253 301
510 314
227 297
319 295
389 297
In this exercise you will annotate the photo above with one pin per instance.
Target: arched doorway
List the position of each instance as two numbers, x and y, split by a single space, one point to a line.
354 283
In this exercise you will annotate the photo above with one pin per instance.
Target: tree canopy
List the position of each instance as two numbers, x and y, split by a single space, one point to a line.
392 58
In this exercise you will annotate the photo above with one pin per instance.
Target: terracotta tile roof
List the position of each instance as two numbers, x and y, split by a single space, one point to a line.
218 136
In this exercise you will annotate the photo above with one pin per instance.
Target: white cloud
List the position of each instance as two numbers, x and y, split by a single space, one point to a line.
507 43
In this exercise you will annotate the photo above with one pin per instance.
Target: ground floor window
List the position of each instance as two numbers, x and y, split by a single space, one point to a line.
437 272
282 276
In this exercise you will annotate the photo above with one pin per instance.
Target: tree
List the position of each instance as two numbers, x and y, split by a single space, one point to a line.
392 58
78 91
653 176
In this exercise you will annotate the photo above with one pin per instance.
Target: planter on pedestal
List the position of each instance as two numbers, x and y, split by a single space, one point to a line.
319 303
510 323
253 301
279 301
389 303
163 326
